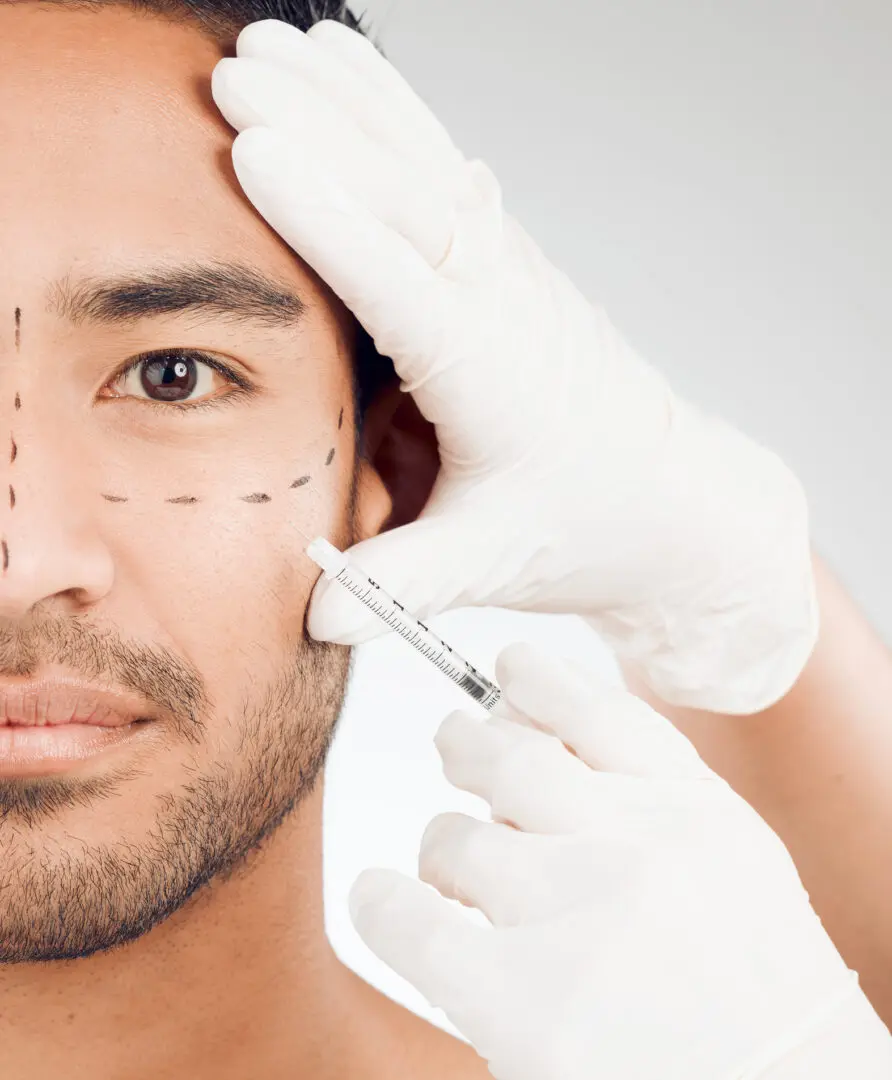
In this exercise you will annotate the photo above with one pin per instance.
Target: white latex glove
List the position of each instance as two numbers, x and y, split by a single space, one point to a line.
573 479
646 923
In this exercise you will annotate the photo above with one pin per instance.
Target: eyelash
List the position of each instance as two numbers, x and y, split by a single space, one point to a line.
241 386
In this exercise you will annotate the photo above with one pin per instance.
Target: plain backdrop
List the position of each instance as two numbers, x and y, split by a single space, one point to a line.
718 176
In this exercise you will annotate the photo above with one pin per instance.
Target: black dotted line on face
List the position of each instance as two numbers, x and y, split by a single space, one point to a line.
190 500
13 448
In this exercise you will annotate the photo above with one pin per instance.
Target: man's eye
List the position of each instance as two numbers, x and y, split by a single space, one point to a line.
176 376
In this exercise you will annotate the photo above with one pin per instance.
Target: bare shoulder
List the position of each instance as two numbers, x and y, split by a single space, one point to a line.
439 1056
403 1046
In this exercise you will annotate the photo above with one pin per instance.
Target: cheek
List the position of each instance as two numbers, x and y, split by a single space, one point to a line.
209 544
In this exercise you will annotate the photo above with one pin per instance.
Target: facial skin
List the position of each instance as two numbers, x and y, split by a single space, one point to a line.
159 548
199 604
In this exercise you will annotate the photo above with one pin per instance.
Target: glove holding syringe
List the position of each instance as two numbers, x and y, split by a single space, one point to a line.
801 1013
572 480
336 565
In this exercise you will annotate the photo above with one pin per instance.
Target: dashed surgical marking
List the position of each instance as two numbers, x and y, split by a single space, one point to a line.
341 419
4 547
191 500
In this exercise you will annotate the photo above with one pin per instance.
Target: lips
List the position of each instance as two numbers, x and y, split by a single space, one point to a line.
52 702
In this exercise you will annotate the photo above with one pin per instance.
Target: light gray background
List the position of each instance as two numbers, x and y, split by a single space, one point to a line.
718 176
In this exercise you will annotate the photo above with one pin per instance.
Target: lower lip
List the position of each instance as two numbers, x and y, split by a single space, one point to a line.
34 751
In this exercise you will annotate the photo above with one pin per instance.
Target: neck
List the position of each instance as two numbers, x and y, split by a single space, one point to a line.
242 974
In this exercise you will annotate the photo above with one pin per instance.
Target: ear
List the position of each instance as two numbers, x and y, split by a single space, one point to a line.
399 464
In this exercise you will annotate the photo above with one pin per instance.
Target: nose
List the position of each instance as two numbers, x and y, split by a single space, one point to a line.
51 549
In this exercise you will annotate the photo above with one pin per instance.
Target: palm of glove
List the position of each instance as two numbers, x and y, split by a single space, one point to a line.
572 479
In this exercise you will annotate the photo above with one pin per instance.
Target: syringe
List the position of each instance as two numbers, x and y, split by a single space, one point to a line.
370 593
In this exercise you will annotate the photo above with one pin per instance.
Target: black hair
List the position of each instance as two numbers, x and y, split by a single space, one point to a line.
223 20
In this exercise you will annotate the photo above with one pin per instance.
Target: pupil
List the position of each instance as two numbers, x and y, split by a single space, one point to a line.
169 378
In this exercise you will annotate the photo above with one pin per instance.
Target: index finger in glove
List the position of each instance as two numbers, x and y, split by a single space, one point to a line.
530 779
384 106
375 271
427 565
609 729
418 203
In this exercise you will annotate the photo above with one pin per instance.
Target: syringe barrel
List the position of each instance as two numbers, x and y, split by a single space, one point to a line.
412 629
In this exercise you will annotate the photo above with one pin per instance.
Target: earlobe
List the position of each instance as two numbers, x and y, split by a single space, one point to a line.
373 503
400 449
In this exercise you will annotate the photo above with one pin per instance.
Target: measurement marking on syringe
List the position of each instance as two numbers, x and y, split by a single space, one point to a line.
421 638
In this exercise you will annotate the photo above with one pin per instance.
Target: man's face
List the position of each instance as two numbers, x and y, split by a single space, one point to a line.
157 515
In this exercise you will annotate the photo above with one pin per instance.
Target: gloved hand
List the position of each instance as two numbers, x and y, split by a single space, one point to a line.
645 921
573 479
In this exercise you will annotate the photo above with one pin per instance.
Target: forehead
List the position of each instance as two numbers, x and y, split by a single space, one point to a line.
114 151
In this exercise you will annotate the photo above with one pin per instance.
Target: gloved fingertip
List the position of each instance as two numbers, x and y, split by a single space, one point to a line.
513 660
331 30
221 71
337 617
453 727
257 39
334 633
440 827
371 890
257 149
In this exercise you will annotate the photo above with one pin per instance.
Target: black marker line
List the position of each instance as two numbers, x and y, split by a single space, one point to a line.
330 457
14 450
257 497
115 498
18 405
300 481
184 500
340 419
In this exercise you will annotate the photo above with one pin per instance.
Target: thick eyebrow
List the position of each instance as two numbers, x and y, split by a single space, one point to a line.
231 291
